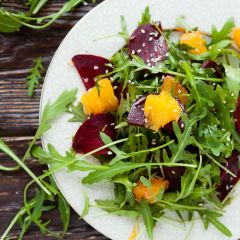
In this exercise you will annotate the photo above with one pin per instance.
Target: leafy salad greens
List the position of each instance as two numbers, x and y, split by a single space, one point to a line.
163 118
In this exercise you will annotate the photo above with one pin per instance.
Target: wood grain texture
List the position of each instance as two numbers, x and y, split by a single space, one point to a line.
19 113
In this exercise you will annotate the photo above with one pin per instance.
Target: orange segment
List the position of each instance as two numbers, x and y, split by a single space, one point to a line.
175 88
236 36
195 40
161 109
102 102
149 193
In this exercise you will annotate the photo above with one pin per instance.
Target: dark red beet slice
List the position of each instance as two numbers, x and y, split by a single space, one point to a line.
227 181
147 43
237 116
87 137
136 115
215 66
89 67
173 175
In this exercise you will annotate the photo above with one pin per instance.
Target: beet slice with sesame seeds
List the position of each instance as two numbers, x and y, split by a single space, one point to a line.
237 116
88 138
227 181
212 64
136 115
89 67
147 43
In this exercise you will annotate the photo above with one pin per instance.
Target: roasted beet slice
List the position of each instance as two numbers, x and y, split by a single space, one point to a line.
87 137
173 175
136 115
89 67
147 43
213 65
227 181
237 116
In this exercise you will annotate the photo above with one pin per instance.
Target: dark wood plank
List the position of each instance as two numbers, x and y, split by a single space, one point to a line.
18 112
11 199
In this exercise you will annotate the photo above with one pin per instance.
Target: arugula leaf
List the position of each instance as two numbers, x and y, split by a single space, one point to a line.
224 33
120 168
50 112
4 148
184 139
8 25
147 218
11 21
233 79
77 112
64 211
124 33
86 206
146 17
35 75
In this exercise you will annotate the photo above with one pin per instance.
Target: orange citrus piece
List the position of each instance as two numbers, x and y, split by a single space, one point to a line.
195 40
175 88
161 109
104 101
236 36
149 193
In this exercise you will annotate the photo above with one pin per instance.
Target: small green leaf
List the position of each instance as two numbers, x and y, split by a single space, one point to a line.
64 211
147 218
233 79
77 112
35 75
86 206
146 17
224 33
145 181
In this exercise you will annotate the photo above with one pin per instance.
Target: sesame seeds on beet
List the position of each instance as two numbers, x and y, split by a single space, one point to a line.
147 43
89 67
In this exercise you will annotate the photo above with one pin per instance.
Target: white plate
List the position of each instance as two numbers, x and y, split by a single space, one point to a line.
104 21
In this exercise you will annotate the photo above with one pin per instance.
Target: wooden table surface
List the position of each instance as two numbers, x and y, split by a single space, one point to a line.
19 113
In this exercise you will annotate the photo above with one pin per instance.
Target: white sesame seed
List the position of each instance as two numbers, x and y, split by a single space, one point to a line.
85 80
143 31
106 71
129 81
160 45
182 125
151 33
139 50
111 78
150 39
145 120
227 188
132 37
109 153
154 141
235 120
133 52
142 109
144 44
96 67
112 124
173 172
179 91
115 87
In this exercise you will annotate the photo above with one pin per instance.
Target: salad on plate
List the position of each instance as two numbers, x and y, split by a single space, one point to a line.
163 118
